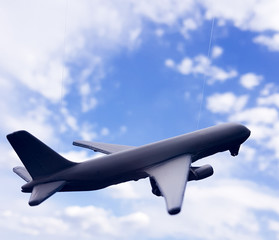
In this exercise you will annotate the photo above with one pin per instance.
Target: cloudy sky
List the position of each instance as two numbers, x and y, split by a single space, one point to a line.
133 72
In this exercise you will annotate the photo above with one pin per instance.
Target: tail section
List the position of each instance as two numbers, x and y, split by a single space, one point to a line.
38 158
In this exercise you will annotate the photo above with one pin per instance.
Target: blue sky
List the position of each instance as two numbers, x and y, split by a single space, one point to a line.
133 72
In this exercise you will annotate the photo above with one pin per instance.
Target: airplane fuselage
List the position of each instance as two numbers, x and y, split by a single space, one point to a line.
130 164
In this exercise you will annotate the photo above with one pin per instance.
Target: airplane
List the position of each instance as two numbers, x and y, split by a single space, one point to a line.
167 163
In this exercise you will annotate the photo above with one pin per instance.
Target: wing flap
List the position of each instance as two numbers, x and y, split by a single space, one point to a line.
43 191
171 178
105 148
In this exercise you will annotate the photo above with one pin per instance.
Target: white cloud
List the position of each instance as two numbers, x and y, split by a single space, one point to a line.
36 121
166 12
69 119
271 100
124 190
249 153
186 66
237 11
253 15
189 25
260 131
33 225
74 221
87 133
217 51
81 156
135 35
250 80
34 50
226 102
257 115
202 65
273 144
274 226
268 89
272 43
89 104
96 222
36 58
85 89
169 63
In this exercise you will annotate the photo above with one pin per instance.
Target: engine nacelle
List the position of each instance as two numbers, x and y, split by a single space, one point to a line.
155 189
198 173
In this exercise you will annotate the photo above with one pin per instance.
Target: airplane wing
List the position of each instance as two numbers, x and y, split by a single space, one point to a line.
43 191
106 148
171 178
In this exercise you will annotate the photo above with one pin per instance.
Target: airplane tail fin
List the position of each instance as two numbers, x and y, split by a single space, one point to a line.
38 158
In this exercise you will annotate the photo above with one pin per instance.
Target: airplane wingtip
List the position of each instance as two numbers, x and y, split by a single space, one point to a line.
174 211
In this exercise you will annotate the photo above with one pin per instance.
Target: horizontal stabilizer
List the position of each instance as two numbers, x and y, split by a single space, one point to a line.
171 178
22 172
105 148
43 191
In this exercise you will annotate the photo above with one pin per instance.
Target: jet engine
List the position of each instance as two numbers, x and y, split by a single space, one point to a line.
155 189
198 173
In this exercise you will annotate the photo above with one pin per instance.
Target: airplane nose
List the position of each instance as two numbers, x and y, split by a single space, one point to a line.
242 131
247 131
